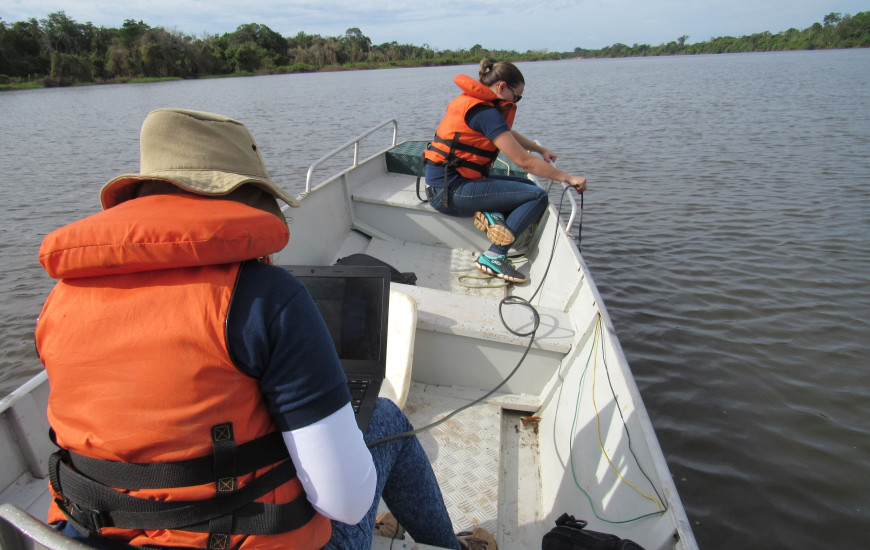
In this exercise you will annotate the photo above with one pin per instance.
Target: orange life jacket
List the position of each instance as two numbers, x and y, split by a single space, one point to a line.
133 341
455 143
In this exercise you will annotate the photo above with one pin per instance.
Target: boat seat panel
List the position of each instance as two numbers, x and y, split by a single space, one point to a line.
478 317
402 319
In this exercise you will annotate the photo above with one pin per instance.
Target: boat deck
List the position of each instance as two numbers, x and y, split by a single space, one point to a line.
29 494
485 458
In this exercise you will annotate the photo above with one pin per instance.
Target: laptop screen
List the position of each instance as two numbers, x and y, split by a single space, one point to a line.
354 302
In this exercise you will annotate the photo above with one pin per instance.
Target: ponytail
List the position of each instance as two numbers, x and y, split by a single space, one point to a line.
490 73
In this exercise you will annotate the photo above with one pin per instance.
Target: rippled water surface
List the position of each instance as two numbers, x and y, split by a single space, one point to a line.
727 226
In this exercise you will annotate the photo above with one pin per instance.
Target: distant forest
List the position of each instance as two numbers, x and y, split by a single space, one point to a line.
58 51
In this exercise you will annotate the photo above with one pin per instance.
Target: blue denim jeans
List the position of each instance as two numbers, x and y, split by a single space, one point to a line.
405 480
520 201
407 484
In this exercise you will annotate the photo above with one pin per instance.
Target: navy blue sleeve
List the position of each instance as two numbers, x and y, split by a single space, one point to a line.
486 120
276 334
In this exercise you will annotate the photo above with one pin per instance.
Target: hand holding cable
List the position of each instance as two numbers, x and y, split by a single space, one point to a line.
577 182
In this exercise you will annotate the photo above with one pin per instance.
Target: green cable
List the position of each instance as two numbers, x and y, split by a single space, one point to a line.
571 455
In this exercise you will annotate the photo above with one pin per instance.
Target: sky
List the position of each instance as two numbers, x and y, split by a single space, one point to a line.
551 25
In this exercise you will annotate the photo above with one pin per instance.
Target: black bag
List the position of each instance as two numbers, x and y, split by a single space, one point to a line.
396 276
571 534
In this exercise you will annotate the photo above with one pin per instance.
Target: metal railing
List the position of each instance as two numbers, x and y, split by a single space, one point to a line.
573 200
21 531
355 143
571 197
352 143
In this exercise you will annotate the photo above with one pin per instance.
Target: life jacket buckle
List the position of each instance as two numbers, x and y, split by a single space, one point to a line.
91 520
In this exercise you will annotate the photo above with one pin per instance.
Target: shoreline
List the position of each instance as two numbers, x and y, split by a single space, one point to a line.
49 82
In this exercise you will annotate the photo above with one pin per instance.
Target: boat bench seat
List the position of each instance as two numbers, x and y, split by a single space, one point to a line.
385 203
478 317
456 331
445 305
394 190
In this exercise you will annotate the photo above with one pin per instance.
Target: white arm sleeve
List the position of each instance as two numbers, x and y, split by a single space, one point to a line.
334 466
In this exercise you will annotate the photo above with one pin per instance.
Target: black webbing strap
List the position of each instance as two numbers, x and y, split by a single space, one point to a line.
224 449
91 506
90 498
455 145
250 456
451 161
482 169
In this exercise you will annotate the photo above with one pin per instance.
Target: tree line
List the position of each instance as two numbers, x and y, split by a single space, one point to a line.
58 51
835 31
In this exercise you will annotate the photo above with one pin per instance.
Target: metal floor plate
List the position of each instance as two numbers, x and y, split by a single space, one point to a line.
464 452
439 267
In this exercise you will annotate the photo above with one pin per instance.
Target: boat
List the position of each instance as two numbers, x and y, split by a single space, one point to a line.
554 422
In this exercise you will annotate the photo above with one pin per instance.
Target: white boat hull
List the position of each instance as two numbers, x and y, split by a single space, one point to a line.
567 433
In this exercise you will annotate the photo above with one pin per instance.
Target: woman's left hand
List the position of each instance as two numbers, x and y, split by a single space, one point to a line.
548 155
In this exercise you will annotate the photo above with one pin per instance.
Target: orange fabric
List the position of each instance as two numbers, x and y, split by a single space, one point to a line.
474 93
184 231
117 395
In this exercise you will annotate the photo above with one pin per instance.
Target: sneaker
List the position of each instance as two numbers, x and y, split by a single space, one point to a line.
495 227
500 267
387 526
477 539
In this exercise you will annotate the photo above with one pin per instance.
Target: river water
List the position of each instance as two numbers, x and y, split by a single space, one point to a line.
727 225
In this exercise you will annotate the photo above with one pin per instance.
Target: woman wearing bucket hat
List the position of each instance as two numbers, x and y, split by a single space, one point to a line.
195 392
477 125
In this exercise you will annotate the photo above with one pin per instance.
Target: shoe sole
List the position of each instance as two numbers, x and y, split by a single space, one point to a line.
489 271
497 234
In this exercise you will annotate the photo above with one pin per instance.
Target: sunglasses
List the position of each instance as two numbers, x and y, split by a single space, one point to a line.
517 97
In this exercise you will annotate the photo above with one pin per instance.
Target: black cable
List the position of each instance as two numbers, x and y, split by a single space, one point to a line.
627 433
466 406
580 227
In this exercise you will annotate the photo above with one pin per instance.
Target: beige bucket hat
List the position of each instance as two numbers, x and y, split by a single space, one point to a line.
200 152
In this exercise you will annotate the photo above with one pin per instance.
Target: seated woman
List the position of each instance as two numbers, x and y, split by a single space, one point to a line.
475 128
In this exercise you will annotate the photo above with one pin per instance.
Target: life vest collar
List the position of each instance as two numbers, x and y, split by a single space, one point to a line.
161 232
475 89
456 144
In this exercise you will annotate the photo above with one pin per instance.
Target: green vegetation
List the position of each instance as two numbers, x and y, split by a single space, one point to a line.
836 31
58 51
